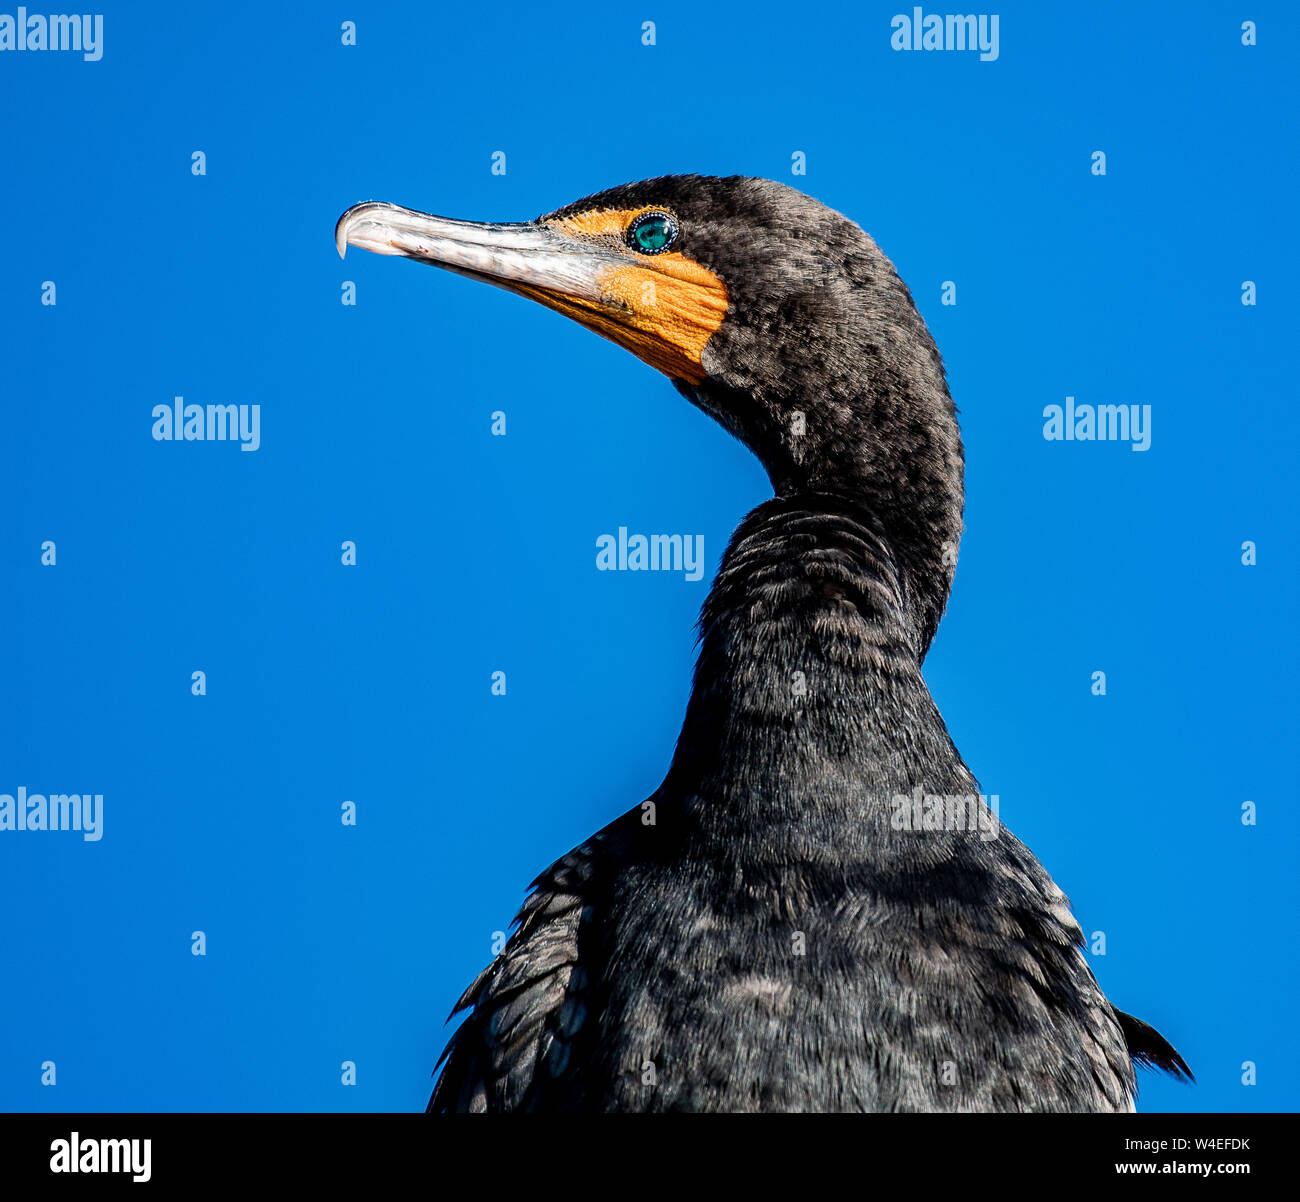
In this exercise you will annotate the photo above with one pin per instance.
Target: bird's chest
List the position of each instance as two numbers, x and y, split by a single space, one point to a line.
810 983
740 991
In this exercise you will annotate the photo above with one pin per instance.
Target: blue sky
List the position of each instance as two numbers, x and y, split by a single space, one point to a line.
371 683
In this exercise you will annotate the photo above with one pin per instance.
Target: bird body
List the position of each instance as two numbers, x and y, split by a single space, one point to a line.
782 926
763 938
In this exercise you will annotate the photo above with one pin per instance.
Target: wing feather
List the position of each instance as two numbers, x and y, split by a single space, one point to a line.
526 1008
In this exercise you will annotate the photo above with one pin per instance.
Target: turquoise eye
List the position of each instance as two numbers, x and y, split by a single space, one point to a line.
652 233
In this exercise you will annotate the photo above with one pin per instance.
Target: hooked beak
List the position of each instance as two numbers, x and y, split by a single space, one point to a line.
519 256
664 308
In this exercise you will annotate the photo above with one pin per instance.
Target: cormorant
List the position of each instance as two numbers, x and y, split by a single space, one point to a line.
789 922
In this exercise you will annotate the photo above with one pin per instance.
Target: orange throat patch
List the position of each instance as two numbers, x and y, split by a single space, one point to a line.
663 308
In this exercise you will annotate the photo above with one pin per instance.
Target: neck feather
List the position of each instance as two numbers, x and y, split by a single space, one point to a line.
808 692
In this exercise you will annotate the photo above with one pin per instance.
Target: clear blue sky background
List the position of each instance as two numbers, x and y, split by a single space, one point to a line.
371 683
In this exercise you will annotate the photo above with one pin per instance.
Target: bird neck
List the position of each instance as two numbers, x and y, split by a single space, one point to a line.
895 476
808 690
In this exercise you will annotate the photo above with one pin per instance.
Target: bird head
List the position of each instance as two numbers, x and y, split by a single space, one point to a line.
773 313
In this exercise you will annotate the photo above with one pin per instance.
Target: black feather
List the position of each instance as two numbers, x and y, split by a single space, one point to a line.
1151 1049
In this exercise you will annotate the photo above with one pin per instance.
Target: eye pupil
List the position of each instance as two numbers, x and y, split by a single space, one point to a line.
652 233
